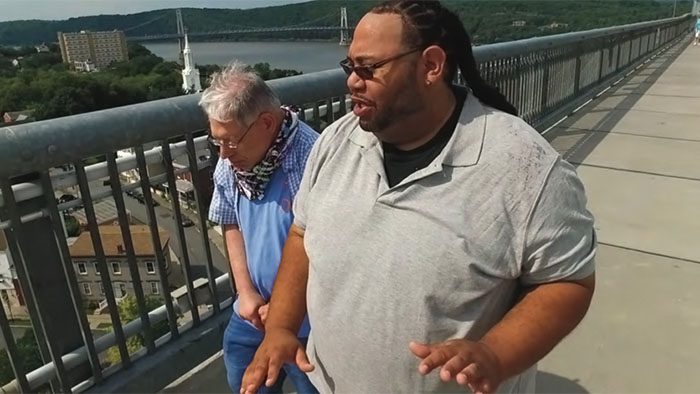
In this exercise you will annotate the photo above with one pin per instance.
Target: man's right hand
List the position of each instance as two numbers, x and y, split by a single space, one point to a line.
248 305
279 346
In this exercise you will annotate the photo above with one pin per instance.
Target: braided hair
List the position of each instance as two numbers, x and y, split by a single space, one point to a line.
429 23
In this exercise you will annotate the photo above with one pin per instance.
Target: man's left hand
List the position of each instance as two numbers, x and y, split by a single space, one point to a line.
471 364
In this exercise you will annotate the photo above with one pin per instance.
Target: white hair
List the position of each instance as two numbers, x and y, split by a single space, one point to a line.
236 93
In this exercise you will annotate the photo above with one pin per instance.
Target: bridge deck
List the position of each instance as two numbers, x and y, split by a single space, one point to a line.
637 149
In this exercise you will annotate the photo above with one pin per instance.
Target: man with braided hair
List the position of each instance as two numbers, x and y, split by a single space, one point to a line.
433 230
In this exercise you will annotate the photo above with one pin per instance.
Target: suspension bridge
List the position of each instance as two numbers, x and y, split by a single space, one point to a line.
237 30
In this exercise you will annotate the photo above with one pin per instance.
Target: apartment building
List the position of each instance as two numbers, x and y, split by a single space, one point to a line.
99 48
88 272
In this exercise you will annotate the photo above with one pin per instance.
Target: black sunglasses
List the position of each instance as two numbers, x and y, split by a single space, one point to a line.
367 71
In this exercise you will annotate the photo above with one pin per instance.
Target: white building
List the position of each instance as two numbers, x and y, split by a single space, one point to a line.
190 75
84 66
11 296
43 48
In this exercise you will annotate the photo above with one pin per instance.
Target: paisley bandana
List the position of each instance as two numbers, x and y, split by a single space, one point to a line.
252 183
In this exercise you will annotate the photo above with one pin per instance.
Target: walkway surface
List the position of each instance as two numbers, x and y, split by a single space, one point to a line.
637 149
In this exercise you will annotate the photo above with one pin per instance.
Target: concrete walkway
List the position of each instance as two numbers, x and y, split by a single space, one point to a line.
637 149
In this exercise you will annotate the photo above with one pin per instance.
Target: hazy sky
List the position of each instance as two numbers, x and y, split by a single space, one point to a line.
64 9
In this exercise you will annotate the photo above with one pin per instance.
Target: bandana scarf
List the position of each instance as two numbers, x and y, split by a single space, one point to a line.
252 183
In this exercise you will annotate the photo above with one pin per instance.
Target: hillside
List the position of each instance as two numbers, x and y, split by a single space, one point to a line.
487 20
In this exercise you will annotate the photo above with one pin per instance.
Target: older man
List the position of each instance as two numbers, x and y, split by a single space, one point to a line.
263 149
434 230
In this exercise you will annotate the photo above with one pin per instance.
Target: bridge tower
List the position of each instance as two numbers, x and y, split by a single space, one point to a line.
344 31
180 34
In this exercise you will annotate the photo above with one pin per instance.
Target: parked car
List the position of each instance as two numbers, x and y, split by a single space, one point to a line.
186 222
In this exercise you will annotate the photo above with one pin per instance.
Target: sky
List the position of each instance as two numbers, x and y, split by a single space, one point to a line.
64 9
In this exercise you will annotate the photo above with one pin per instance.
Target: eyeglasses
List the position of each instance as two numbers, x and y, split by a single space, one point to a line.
229 144
367 71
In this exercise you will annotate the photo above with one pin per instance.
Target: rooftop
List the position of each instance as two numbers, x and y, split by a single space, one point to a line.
113 243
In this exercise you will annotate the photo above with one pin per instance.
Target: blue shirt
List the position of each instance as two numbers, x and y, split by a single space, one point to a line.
264 223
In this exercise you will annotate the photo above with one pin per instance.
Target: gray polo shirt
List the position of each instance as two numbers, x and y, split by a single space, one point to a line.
439 256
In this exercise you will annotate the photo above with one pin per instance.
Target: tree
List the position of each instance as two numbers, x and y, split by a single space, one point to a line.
41 60
72 225
28 351
66 101
52 91
134 49
266 72
166 68
129 311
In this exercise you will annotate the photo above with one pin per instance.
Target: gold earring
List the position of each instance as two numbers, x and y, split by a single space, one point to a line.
427 82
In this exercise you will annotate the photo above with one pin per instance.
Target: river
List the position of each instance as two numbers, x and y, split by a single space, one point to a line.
305 56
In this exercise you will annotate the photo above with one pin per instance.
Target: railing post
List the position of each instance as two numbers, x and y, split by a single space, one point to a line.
44 287
577 72
629 53
600 63
520 85
545 87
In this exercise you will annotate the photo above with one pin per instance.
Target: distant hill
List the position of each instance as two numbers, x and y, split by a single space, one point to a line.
487 20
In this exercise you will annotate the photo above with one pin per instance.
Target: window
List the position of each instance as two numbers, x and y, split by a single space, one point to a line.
116 268
102 289
82 268
154 288
97 268
86 289
119 289
150 267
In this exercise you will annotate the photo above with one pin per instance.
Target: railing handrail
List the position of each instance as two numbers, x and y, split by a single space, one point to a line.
40 145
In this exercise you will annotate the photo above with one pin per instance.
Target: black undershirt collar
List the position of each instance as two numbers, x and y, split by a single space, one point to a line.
399 164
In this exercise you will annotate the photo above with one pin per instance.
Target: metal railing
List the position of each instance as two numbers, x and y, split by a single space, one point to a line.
545 78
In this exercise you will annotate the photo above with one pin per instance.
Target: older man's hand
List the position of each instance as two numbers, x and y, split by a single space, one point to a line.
471 364
249 304
263 312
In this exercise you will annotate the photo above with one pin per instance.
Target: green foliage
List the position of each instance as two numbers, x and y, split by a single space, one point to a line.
492 21
141 61
72 225
206 71
29 352
44 84
166 68
128 311
488 20
41 60
17 52
266 72
135 50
